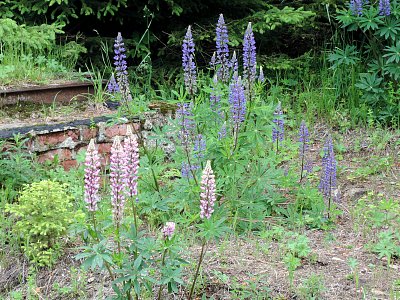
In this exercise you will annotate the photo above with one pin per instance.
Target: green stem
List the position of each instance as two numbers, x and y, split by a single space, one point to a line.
98 240
197 269
162 264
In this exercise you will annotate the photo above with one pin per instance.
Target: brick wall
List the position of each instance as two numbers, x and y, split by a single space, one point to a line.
65 141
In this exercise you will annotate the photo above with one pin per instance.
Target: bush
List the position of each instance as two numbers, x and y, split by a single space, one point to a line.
43 212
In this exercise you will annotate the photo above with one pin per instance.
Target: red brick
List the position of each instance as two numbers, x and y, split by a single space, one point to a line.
115 130
89 133
54 138
104 151
104 148
63 155
68 164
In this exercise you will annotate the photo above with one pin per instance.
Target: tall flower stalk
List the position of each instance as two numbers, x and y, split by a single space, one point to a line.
222 58
278 130
328 176
304 139
184 115
249 61
188 63
121 68
118 184
207 201
131 151
237 101
92 177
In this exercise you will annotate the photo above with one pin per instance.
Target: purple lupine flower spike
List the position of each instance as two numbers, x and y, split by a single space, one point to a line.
92 177
188 63
199 146
234 63
356 7
121 68
384 7
131 150
222 58
237 101
118 180
168 230
208 190
304 139
215 98
184 115
278 130
112 86
328 184
249 57
222 132
213 61
261 77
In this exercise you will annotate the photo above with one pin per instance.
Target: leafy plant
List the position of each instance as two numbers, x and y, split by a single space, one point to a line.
43 213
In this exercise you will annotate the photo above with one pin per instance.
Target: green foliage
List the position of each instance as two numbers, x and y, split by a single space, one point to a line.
381 216
16 168
312 288
374 57
31 53
43 213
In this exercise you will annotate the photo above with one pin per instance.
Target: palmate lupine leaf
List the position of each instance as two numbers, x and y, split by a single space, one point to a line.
370 19
393 53
348 56
390 29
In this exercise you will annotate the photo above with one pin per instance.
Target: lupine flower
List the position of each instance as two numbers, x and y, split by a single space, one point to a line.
213 61
261 77
222 50
184 116
222 132
199 146
131 151
237 101
188 64
304 139
118 180
384 7
121 68
234 63
278 130
249 56
112 86
92 177
186 170
356 7
328 176
168 230
215 98
207 194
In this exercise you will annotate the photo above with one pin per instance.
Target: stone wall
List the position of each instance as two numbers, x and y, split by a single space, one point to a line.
64 141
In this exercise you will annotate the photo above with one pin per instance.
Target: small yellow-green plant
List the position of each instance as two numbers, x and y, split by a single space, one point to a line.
43 213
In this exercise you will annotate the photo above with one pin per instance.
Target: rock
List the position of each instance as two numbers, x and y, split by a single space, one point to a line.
356 193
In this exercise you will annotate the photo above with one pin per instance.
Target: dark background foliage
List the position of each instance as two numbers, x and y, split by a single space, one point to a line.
279 30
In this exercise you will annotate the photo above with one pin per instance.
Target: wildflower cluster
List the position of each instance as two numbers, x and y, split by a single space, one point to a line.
188 63
222 59
121 68
328 176
357 6
92 177
278 130
208 189
304 140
